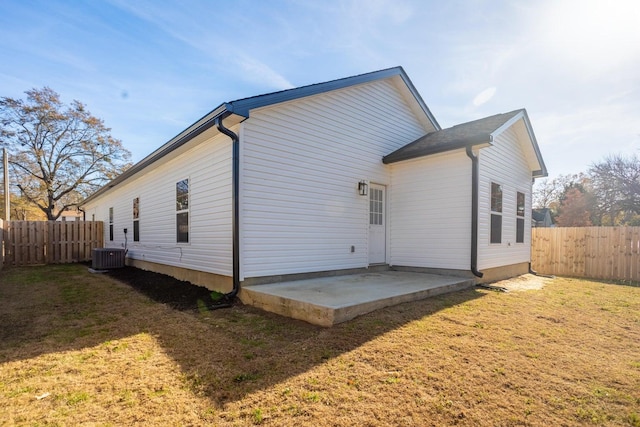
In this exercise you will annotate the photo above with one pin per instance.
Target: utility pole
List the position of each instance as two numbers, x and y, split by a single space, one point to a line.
7 196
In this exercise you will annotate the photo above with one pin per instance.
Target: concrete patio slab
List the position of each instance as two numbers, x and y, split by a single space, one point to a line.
327 301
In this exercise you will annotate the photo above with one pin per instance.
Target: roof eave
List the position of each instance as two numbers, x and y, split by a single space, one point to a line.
522 114
418 98
389 159
197 128
542 172
244 106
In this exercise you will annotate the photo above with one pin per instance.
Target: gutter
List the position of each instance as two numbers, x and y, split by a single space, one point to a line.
235 172
474 211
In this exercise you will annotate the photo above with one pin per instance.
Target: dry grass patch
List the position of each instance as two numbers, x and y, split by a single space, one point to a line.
77 348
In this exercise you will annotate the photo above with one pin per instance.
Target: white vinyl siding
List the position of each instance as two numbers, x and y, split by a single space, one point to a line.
430 208
504 163
301 163
208 166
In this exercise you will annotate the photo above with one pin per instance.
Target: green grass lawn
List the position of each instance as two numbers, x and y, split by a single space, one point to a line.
77 348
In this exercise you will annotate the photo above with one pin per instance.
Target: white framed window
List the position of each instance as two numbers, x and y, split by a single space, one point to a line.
496 213
520 211
182 211
136 219
111 224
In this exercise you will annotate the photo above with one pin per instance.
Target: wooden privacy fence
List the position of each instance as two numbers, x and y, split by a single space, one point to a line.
49 242
611 253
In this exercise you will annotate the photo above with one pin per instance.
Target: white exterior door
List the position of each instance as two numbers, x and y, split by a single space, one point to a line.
377 224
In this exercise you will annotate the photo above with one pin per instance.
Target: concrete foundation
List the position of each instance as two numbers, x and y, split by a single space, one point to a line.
327 301
500 273
212 281
330 297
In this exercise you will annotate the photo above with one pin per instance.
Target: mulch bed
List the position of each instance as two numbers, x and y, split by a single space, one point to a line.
178 294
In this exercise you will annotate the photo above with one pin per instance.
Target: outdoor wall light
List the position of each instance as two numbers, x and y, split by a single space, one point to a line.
363 188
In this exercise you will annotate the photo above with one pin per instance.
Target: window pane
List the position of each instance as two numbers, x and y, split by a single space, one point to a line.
136 208
520 203
111 224
496 197
182 195
136 231
496 228
182 227
520 230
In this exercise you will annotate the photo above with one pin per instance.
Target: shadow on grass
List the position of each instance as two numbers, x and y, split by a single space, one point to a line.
224 354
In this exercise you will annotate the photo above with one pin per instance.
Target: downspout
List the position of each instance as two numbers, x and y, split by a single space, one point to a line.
474 212
235 172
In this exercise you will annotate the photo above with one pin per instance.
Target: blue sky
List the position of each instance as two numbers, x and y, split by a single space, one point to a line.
151 68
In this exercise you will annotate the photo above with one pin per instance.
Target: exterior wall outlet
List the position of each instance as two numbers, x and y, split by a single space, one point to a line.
353 249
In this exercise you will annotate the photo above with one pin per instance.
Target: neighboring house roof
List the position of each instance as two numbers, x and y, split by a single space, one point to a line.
474 133
542 215
538 214
239 110
74 214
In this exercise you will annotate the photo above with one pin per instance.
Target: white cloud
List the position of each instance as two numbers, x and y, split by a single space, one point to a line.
484 96
196 32
257 72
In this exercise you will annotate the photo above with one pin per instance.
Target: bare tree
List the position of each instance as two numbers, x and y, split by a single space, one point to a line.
615 183
59 153
545 193
550 193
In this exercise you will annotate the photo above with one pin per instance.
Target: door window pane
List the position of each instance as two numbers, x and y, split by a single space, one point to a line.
376 206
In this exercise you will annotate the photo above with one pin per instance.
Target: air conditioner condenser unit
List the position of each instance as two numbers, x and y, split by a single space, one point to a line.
106 258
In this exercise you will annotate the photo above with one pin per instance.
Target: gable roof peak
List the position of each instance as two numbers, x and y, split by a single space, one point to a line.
243 106
476 133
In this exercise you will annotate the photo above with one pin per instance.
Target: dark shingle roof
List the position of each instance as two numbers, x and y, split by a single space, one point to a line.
245 105
539 214
460 136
